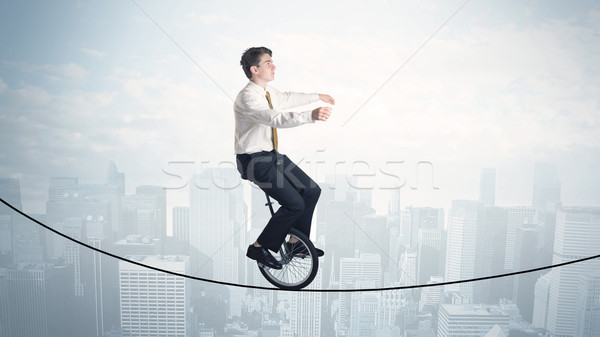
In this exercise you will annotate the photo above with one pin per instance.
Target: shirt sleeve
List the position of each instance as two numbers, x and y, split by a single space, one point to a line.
259 111
290 100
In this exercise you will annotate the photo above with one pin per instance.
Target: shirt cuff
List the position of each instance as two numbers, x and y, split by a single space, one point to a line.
314 98
308 116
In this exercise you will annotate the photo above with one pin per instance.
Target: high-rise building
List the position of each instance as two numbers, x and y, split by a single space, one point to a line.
6 249
28 240
73 227
99 275
487 187
546 186
490 255
461 247
32 293
365 267
517 216
218 223
306 316
588 310
526 252
139 214
57 190
181 223
430 252
470 320
430 296
577 236
10 191
371 236
415 218
155 303
115 178
363 311
160 195
541 297
408 267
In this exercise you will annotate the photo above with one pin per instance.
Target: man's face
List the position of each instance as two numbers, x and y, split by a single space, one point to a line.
265 71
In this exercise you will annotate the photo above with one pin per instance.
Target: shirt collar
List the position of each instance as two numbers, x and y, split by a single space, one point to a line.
257 88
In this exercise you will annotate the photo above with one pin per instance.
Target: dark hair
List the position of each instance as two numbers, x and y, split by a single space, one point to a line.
251 57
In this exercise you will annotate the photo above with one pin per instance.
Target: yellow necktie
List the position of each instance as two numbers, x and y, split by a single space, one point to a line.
274 130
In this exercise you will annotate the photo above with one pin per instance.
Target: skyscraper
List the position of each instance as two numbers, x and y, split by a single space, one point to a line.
10 191
588 310
487 187
306 316
461 248
32 292
541 299
517 216
155 303
526 253
139 215
577 236
546 186
430 296
430 254
181 223
490 255
218 222
160 195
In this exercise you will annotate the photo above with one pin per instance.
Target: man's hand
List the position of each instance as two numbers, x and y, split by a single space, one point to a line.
327 99
322 113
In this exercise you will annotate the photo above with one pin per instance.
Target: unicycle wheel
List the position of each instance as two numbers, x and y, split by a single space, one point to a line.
299 267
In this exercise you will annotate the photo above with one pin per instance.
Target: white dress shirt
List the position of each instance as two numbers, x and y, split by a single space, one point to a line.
254 119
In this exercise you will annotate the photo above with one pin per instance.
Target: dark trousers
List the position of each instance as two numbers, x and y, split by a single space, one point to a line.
285 182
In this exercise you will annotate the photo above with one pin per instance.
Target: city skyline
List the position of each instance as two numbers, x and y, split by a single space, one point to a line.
463 143
374 267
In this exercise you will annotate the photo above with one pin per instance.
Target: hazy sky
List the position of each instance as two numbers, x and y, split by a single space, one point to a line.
503 84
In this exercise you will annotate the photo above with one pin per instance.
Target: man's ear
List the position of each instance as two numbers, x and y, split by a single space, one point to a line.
254 70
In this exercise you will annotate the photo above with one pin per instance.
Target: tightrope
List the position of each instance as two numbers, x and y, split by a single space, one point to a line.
303 290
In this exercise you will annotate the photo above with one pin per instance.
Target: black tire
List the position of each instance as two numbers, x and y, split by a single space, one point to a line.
297 271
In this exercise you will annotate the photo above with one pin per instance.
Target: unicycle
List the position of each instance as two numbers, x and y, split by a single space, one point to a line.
299 265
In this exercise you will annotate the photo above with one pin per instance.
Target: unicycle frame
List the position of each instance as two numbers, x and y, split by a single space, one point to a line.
297 271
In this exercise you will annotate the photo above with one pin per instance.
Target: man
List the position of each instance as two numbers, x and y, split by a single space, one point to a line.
258 113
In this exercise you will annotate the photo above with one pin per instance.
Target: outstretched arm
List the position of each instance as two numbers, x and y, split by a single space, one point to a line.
327 99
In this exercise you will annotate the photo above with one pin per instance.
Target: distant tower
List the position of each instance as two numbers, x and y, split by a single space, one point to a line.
116 178
546 186
577 236
525 258
461 247
541 296
160 194
487 186
10 191
218 224
181 223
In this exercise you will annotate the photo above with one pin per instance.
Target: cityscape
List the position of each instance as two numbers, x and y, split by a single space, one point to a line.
51 286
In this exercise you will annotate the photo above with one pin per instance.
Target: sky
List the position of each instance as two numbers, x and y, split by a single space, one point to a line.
455 86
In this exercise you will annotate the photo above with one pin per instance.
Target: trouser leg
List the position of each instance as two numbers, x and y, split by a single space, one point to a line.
285 182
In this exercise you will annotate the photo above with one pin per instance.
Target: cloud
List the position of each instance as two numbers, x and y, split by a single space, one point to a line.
3 86
68 72
93 52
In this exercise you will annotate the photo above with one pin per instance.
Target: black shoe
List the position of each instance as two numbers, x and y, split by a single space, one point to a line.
263 256
299 249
